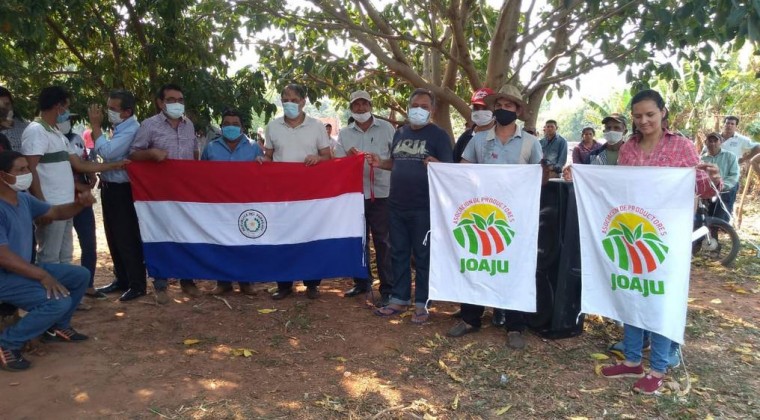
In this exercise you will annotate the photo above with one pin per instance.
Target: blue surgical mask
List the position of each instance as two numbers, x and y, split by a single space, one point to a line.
419 116
63 117
291 110
231 132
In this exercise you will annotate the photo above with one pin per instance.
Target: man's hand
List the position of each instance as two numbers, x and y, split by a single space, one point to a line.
120 164
373 159
95 114
430 159
158 155
43 221
85 199
567 173
712 171
353 151
261 159
53 287
311 160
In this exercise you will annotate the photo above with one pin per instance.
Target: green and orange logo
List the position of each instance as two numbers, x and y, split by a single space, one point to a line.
482 226
633 239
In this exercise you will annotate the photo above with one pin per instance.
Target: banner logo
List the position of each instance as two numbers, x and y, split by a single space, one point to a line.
633 240
252 224
483 226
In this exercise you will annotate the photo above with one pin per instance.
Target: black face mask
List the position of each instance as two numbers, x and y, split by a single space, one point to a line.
504 117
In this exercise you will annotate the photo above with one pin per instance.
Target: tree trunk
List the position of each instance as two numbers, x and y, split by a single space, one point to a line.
442 117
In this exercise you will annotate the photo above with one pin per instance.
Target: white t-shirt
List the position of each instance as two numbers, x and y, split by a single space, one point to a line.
54 168
738 145
294 144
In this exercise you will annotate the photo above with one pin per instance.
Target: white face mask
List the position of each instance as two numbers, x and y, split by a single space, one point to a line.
23 182
419 116
175 110
115 117
361 118
483 117
613 137
65 127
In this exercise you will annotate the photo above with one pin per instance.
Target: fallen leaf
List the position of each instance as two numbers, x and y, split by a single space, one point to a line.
577 418
267 311
340 359
598 369
716 301
191 341
242 352
449 372
690 300
406 314
619 354
429 416
592 391
455 403
503 410
599 356
741 291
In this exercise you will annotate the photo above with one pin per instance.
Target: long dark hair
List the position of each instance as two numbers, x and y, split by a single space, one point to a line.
651 95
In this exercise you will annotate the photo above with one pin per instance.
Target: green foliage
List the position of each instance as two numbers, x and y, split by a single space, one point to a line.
91 47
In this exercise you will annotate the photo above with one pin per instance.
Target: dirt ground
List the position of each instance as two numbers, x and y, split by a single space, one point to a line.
332 358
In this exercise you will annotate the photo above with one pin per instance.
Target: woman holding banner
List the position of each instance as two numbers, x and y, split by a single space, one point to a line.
653 144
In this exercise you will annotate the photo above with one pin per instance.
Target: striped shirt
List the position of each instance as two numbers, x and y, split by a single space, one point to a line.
54 169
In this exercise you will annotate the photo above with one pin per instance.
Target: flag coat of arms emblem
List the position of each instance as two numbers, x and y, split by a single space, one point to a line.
244 221
636 244
484 234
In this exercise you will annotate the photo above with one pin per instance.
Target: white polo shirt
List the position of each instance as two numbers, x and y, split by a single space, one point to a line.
293 144
54 168
738 145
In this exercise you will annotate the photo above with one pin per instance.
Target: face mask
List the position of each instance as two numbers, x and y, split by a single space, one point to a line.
115 117
419 116
175 110
612 137
483 117
291 110
361 118
63 117
504 117
231 132
23 182
65 126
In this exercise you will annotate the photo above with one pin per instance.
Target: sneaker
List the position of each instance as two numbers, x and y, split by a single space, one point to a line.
674 359
63 334
648 385
12 360
191 289
623 371
515 340
461 328
162 298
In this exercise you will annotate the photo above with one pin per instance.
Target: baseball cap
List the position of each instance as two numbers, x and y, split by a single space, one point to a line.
615 117
359 94
479 96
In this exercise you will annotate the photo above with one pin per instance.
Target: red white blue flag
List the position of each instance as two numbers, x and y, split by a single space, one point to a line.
245 221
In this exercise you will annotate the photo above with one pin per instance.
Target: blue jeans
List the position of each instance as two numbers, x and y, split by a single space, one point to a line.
44 313
633 340
84 225
408 229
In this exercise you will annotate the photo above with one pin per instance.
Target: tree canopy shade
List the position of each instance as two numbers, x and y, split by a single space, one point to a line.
93 46
452 47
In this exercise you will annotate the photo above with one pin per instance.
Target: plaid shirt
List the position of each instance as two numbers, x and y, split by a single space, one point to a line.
14 133
156 132
674 151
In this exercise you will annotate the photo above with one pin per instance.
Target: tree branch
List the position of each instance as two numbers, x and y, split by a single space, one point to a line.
457 15
140 33
502 43
74 50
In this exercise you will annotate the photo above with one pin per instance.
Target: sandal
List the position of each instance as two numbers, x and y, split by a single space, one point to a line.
420 318
387 311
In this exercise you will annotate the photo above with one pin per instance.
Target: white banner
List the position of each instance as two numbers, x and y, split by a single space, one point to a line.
484 234
635 231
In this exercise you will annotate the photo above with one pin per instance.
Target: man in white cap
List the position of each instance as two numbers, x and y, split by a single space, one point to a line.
368 134
506 143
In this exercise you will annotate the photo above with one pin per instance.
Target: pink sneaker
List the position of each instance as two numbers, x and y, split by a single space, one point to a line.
648 385
623 371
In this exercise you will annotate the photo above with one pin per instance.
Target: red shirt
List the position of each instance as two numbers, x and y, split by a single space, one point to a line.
672 150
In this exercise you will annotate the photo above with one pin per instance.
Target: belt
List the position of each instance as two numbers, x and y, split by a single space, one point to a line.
106 184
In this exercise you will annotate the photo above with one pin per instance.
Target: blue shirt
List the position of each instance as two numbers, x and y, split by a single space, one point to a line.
555 152
484 147
246 151
409 180
16 224
117 148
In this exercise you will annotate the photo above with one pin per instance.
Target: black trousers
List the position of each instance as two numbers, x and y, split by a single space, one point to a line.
123 234
285 285
471 314
376 216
